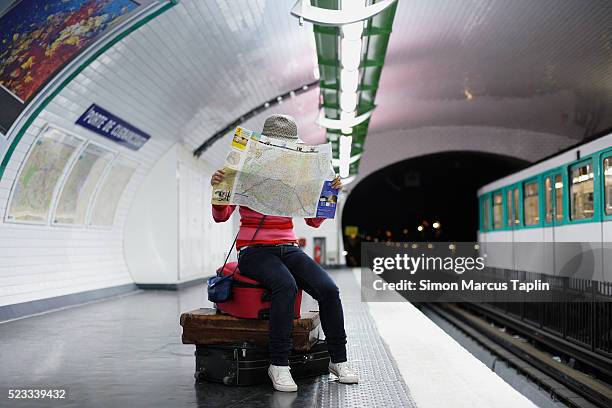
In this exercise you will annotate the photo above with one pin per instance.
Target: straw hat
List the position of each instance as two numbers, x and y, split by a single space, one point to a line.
280 127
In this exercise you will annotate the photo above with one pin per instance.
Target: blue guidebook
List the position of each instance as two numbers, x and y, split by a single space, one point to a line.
327 201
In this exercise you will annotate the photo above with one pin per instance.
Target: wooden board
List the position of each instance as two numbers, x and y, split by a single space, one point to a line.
207 326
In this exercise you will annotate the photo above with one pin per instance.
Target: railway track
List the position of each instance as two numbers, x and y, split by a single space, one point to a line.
519 346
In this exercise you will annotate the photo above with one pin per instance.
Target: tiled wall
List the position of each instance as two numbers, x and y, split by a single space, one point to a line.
171 79
42 261
203 243
170 235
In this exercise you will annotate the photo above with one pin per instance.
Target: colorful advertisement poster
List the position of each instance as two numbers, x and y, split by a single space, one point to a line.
39 37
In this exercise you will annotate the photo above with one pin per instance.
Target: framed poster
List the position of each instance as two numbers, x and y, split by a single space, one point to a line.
34 189
80 185
40 37
107 198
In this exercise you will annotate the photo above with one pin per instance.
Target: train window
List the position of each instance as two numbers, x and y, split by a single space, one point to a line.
515 210
558 197
498 210
486 213
531 203
548 199
581 192
509 215
607 168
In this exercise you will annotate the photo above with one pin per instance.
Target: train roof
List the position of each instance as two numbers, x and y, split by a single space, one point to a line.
564 157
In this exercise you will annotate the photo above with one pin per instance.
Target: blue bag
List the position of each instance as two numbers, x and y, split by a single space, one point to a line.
220 287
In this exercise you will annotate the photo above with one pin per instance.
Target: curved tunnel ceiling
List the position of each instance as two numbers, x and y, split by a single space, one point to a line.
544 66
529 68
534 67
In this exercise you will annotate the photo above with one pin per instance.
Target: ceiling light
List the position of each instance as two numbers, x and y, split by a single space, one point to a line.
352 11
347 116
347 119
468 94
352 6
348 101
353 31
349 80
350 54
345 154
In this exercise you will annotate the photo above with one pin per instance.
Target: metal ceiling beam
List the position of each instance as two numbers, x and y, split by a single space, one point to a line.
375 36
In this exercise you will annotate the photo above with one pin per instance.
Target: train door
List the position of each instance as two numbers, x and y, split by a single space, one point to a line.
552 184
513 201
499 238
528 238
560 216
578 245
606 224
559 211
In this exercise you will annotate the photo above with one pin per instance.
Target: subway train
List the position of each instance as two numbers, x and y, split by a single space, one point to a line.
553 217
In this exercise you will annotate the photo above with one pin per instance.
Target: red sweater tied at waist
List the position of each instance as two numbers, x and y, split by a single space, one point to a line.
254 223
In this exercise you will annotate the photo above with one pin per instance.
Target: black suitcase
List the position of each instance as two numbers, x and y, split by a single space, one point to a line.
247 364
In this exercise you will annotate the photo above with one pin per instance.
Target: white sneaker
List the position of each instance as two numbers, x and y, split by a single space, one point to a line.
344 373
281 378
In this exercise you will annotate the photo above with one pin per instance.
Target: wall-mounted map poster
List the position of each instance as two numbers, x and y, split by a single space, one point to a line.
38 38
107 199
80 185
37 180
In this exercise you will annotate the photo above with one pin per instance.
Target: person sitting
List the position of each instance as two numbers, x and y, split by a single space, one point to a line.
275 259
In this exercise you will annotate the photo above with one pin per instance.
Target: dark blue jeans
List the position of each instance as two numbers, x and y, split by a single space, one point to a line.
282 269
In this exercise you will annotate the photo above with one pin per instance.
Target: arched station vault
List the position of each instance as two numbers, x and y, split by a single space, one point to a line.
518 78
506 71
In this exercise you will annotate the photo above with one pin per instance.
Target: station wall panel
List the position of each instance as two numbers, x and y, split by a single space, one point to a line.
38 262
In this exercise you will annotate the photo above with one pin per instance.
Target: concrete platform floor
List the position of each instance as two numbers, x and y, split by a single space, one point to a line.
127 352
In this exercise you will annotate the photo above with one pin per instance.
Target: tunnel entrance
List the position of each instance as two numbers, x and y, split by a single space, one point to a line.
427 198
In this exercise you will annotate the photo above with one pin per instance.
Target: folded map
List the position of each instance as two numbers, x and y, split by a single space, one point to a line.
276 177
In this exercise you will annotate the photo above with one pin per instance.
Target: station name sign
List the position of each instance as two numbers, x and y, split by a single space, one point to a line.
112 127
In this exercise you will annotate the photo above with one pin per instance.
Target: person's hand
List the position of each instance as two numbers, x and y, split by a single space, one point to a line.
337 183
217 177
